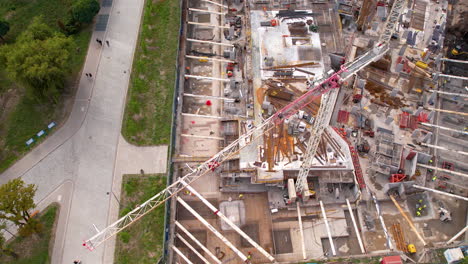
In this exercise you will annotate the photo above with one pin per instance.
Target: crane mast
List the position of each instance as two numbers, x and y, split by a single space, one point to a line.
326 86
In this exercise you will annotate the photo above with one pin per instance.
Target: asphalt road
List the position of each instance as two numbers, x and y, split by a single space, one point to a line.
75 165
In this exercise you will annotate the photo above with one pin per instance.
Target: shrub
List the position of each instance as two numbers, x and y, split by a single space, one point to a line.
124 236
83 11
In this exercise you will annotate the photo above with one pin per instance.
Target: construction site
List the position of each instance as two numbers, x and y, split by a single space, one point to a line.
315 129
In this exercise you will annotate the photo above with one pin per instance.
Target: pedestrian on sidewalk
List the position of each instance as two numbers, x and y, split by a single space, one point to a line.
86 74
99 41
107 42
89 75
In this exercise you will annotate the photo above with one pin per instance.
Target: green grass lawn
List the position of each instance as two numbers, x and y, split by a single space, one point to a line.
21 118
35 248
148 114
142 242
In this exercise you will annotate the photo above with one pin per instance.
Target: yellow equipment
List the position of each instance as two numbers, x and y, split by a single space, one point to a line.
455 52
411 248
421 65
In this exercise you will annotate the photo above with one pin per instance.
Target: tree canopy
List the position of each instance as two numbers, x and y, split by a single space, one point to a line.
40 60
84 11
16 200
4 28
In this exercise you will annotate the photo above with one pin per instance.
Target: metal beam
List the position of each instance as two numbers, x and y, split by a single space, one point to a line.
448 93
214 3
408 220
206 11
181 255
440 192
355 227
436 75
208 58
443 148
193 249
229 222
328 229
448 111
198 77
382 222
457 235
452 60
445 128
443 170
202 116
210 42
204 137
209 97
212 229
301 231
205 25
181 227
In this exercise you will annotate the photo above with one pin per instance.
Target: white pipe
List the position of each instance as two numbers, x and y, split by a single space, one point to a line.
443 170
206 25
181 255
445 128
207 58
229 222
204 137
198 77
209 97
181 227
210 42
355 227
457 235
440 192
448 93
301 230
214 3
382 222
443 148
448 111
206 11
212 229
203 116
328 229
193 249
451 76
459 61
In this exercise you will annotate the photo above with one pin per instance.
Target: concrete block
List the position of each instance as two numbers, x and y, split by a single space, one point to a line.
389 120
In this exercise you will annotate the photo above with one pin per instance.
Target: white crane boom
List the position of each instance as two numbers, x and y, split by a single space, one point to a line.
328 83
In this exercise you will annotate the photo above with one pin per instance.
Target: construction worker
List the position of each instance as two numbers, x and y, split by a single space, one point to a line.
249 255
241 196
434 178
187 192
418 213
420 201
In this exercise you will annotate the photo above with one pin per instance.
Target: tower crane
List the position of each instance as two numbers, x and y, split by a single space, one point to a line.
329 99
327 87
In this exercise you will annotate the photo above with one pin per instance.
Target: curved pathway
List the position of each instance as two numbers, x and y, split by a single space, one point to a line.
75 165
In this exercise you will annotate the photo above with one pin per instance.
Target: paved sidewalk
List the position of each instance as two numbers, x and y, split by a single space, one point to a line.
130 160
83 151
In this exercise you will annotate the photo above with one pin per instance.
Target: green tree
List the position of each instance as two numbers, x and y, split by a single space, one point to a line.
37 30
16 200
4 28
83 11
40 60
